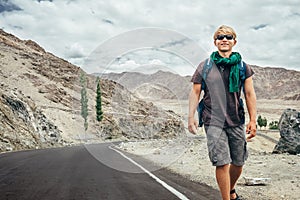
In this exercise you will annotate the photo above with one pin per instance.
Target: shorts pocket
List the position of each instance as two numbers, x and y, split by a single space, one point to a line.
219 158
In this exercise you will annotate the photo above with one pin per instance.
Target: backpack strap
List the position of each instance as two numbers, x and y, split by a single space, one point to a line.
242 68
206 69
241 110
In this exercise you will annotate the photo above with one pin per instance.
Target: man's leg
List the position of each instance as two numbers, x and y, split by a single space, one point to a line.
223 180
219 154
234 172
239 153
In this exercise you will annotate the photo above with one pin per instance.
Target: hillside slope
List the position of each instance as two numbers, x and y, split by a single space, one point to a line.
40 103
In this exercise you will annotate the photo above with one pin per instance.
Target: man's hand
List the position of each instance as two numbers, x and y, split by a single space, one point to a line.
193 103
251 106
251 130
192 125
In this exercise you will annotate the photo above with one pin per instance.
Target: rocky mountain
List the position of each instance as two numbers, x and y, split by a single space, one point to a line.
269 83
160 85
40 103
276 83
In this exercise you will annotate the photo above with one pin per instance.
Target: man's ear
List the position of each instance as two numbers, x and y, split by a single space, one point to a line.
235 41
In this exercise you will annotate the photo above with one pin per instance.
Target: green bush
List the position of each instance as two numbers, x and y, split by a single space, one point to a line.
273 125
262 122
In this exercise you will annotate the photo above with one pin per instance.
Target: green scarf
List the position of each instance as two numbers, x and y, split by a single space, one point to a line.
233 61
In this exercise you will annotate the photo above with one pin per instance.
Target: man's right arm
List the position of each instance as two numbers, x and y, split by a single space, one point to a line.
193 103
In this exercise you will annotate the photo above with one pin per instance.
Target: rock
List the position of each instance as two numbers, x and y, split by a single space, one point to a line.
25 128
156 152
35 46
289 126
256 181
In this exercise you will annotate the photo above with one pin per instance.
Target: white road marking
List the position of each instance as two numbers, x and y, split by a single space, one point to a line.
164 184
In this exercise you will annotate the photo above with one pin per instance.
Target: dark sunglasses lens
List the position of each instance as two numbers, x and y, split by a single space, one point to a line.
221 37
229 37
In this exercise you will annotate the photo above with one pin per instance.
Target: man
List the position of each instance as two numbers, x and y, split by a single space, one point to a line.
226 138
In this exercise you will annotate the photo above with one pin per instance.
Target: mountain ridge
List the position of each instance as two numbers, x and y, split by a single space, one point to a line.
269 82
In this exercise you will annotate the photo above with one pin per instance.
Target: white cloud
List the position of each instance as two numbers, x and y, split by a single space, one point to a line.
129 64
75 51
267 30
156 62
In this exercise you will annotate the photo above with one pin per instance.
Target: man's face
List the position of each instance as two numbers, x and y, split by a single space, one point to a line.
225 42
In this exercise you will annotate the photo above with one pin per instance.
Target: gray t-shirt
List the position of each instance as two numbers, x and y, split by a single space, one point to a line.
221 108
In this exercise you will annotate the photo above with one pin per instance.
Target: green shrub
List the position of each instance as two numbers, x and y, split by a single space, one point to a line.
273 125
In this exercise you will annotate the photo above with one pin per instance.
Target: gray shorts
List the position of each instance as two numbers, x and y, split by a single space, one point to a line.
227 145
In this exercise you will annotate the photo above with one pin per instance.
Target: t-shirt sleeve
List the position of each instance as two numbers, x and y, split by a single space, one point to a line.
249 71
197 76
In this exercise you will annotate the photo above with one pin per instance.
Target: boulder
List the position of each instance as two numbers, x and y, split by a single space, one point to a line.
257 181
289 126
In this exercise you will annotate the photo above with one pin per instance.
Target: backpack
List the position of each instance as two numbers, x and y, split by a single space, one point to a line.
206 69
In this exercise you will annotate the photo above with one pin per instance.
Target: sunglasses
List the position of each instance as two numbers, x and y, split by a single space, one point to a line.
221 37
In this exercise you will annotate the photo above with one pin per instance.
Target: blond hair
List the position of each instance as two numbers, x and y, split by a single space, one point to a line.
224 30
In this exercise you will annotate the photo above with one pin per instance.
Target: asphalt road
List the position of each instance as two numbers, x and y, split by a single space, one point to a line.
89 172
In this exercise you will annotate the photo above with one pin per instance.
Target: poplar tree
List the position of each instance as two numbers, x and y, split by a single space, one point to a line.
84 100
99 112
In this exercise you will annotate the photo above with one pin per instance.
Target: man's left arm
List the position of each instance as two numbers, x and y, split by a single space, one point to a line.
251 106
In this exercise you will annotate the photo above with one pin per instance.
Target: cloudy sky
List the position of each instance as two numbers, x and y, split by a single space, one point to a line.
142 35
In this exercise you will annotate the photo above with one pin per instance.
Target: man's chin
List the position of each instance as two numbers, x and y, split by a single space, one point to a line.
224 50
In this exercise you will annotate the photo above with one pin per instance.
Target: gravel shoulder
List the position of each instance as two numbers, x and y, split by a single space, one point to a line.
189 157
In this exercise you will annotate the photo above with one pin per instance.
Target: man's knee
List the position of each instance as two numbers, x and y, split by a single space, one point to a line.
223 167
236 166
